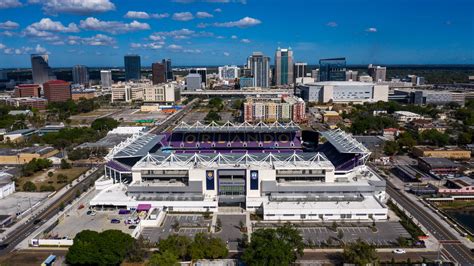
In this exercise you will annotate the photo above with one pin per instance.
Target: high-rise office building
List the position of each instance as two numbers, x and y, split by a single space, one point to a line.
260 69
168 69
80 75
300 70
332 69
315 74
283 66
3 74
377 73
228 72
193 82
106 79
57 90
40 68
132 67
202 72
158 73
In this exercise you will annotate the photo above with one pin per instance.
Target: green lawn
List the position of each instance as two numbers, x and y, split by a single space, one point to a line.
42 178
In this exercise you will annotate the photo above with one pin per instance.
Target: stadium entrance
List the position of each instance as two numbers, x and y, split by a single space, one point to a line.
231 187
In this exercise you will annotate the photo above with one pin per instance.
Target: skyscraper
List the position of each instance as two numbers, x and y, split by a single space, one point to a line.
228 72
106 79
377 73
40 69
201 71
260 67
332 69
57 90
132 67
283 66
80 75
300 70
168 69
158 73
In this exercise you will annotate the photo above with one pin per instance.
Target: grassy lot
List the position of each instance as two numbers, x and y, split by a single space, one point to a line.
457 204
42 178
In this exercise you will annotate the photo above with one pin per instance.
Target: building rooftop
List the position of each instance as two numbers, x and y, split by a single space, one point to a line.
231 127
38 150
21 131
340 83
432 148
344 142
463 181
438 162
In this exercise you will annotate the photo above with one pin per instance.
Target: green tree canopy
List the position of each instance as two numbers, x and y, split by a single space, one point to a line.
359 253
29 186
279 246
106 248
166 258
104 124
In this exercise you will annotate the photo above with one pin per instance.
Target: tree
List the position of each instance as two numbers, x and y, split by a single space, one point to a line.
50 174
65 164
391 148
216 103
464 138
29 186
402 241
62 178
106 248
137 251
166 258
104 124
359 253
212 116
44 188
279 246
207 247
177 245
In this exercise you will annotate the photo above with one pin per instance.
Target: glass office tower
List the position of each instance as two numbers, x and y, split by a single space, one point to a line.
332 69
132 67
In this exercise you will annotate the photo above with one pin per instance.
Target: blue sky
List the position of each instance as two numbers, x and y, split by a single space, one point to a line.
216 32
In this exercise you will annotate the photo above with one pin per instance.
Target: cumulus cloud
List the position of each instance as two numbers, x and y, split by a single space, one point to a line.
160 16
234 37
245 40
217 10
371 30
183 16
332 24
137 15
8 33
40 50
9 4
9 25
157 37
174 47
80 7
242 23
226 53
2 46
46 24
192 51
97 40
114 27
152 45
181 34
201 14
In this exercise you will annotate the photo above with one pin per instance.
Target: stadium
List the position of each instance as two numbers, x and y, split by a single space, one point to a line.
264 168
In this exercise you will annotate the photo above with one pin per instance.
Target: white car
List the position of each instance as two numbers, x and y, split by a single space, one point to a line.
399 251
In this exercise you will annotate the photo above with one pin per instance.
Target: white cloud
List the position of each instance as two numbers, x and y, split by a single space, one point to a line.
9 3
210 1
2 46
175 47
137 15
332 24
220 37
97 40
160 16
371 30
40 50
114 27
157 37
245 40
183 16
226 53
201 14
46 24
8 33
242 23
9 25
202 25
217 10
234 37
182 34
192 51
81 7
152 45
17 51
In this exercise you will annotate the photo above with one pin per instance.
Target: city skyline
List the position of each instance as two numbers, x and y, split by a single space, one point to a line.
208 32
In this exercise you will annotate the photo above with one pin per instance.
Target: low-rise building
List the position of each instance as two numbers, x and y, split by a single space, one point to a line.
406 116
162 93
27 90
126 93
420 125
331 117
391 133
343 92
18 135
438 166
10 156
458 186
29 102
7 185
274 109
83 94
450 152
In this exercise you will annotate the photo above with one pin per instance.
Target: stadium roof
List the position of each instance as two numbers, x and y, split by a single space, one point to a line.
138 145
196 160
344 143
198 127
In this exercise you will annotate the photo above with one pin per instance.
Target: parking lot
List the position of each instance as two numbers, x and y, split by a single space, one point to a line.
132 115
230 231
20 202
386 234
78 220
187 225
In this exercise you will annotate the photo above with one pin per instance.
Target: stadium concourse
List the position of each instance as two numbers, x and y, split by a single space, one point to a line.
265 168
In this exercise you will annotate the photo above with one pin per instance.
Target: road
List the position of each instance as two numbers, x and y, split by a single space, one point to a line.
29 227
176 118
451 247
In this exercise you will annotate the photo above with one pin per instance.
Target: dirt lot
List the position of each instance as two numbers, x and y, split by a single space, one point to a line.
42 178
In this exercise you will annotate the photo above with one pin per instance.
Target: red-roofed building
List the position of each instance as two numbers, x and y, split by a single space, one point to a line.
57 90
27 90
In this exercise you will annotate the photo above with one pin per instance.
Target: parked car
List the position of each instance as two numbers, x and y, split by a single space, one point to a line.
81 206
132 227
115 221
399 251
